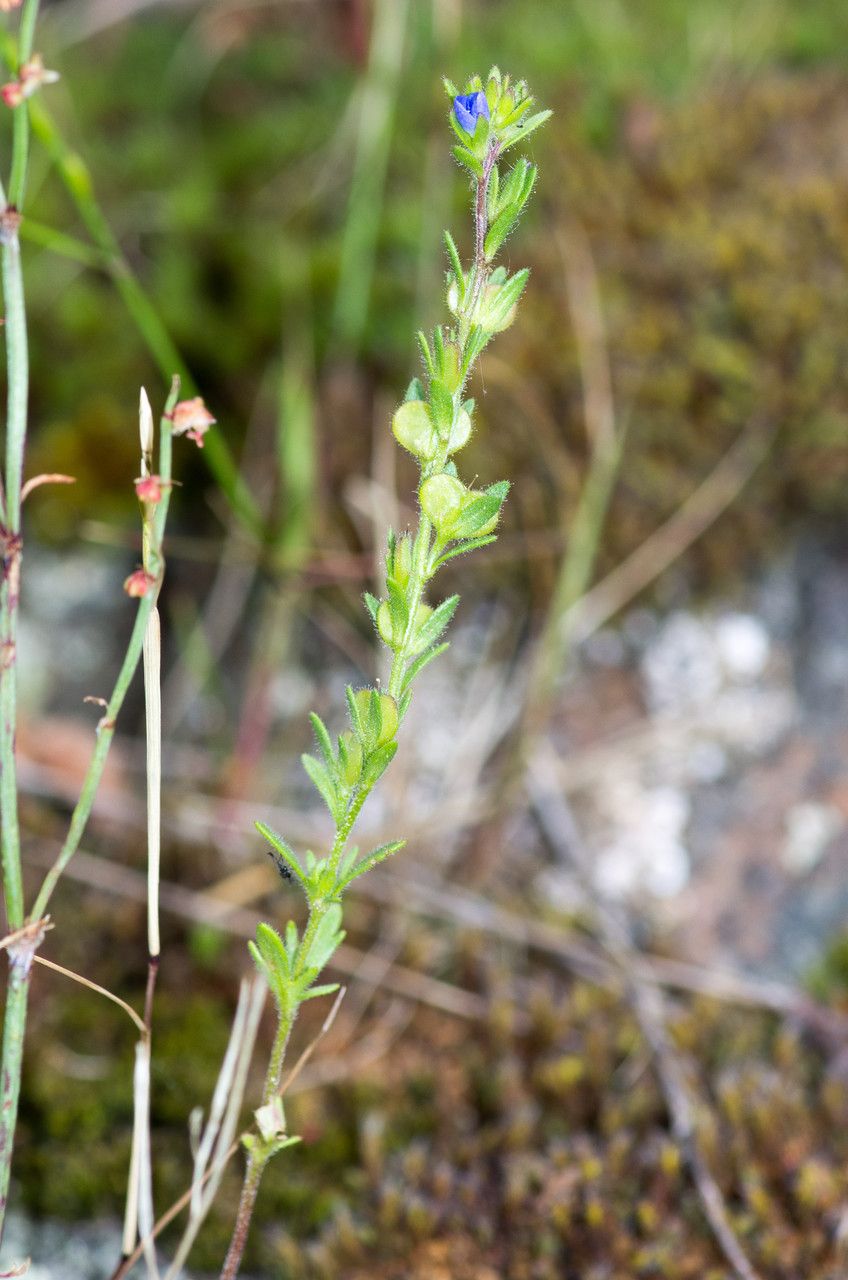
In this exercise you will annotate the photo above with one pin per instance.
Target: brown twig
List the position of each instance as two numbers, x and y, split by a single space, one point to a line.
94 986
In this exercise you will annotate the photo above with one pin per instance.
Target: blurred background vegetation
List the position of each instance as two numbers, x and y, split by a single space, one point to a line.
254 193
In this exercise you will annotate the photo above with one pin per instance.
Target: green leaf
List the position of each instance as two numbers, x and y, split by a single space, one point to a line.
498 309
377 763
500 229
326 938
455 260
480 516
372 604
373 716
322 782
328 989
441 404
323 740
371 859
461 548
353 709
518 132
350 759
398 613
458 129
514 182
425 351
474 344
271 945
468 160
283 850
416 667
529 183
435 624
415 390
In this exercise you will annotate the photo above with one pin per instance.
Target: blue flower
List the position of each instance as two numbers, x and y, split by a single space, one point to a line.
469 107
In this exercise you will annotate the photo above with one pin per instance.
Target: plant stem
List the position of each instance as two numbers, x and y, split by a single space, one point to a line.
14 1025
78 182
259 1157
17 395
106 727
260 1151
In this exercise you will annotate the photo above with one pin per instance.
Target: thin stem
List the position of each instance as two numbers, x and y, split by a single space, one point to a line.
11 545
78 182
14 1025
479 272
106 728
421 572
259 1156
20 124
17 362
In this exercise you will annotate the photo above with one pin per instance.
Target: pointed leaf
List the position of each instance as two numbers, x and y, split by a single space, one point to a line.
326 938
462 547
322 781
283 850
416 667
371 859
377 763
435 624
500 229
328 989
323 739
455 260
468 160
425 351
441 406
353 709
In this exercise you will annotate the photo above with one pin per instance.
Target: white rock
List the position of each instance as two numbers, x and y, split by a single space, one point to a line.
743 644
810 827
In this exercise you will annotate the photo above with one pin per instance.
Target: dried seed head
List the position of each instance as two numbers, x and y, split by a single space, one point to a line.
145 426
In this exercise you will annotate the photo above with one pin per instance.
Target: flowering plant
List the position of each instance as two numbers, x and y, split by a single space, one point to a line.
434 422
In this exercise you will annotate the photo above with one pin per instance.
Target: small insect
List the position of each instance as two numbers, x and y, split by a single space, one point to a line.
280 864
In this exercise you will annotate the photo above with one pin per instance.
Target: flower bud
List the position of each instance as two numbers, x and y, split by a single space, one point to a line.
139 583
191 418
31 76
469 108
149 489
